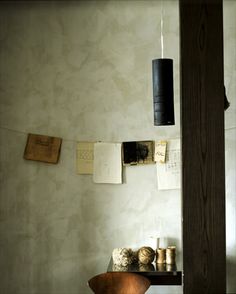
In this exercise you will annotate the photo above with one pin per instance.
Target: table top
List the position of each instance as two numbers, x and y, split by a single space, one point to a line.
158 274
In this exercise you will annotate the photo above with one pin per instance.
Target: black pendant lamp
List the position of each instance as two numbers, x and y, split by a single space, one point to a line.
163 94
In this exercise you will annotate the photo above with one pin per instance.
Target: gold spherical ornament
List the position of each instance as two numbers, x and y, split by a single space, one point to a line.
146 255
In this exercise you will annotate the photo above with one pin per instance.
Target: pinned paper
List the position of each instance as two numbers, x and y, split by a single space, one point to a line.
168 174
138 152
107 163
42 148
160 151
84 154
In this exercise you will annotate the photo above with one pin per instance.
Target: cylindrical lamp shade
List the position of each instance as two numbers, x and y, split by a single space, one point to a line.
163 100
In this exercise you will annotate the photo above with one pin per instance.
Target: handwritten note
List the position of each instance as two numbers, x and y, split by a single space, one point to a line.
107 163
168 174
160 151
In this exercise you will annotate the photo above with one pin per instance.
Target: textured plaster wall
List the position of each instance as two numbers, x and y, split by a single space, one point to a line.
81 71
230 140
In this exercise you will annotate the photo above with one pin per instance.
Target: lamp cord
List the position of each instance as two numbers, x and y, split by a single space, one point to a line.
162 39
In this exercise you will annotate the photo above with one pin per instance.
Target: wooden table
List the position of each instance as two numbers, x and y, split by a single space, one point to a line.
158 274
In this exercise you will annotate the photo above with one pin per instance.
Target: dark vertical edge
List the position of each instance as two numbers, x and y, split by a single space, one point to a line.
203 173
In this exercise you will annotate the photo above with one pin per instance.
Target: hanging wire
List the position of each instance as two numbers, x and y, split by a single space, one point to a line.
76 141
162 39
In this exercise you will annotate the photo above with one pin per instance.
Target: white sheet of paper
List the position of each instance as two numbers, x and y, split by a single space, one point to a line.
168 174
107 163
160 151
84 154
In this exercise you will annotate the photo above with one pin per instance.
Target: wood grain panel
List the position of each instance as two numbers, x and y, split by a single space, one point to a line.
203 175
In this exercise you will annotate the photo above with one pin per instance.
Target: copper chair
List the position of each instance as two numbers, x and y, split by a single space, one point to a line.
119 283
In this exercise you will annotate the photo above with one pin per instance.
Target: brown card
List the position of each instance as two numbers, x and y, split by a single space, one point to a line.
42 148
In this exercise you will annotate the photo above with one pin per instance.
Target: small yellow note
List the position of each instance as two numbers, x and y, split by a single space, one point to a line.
160 151
85 157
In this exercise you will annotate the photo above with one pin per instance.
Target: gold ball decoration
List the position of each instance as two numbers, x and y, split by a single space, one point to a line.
146 255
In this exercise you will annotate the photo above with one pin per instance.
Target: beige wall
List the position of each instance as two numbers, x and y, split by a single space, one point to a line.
81 71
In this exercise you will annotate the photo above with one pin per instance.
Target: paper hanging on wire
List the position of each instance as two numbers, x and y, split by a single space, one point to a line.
107 163
85 157
160 151
169 174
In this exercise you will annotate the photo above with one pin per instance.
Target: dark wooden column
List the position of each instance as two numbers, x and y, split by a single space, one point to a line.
202 112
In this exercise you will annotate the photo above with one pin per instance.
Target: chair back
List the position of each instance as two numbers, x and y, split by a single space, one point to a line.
119 283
